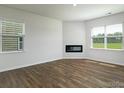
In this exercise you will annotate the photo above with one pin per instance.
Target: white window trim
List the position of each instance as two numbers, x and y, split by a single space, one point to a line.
123 35
105 39
107 49
0 35
23 35
18 51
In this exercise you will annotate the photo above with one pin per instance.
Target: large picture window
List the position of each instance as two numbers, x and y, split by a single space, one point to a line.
108 37
98 37
11 36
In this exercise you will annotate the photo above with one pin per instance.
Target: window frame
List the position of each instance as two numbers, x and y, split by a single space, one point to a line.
22 35
97 37
105 38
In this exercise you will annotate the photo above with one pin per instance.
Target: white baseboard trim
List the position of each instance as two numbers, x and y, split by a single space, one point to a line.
109 62
74 58
26 65
54 59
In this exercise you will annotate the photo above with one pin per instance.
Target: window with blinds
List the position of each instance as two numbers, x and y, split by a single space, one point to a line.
12 35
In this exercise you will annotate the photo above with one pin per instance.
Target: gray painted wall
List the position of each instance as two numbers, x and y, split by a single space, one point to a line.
111 56
43 40
73 33
46 38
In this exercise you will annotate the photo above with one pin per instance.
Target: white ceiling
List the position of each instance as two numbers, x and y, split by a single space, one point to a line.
68 12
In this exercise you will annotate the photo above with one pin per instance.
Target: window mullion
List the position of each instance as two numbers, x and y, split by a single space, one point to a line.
123 35
0 35
105 38
91 42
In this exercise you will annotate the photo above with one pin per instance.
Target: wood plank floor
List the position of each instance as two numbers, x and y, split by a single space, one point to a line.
67 73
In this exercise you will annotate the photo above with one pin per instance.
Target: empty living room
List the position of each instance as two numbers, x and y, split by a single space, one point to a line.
61 45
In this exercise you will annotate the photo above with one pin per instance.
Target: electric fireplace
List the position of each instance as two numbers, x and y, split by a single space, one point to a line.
74 48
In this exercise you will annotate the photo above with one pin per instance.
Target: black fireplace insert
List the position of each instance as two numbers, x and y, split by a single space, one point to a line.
74 48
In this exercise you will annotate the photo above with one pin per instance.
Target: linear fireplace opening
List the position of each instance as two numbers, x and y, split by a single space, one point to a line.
74 48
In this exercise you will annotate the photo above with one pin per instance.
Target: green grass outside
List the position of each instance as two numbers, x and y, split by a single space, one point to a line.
109 45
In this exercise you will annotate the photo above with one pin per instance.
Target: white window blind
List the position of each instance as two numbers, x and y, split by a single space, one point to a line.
12 36
9 43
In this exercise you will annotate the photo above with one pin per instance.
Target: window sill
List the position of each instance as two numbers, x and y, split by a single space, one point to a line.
11 52
107 49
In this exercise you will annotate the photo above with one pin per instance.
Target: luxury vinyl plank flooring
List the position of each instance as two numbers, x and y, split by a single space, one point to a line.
70 73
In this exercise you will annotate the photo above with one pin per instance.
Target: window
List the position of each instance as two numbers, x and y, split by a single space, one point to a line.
98 37
108 37
11 36
114 36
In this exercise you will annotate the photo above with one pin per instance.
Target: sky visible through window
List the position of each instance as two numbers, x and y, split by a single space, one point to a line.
110 29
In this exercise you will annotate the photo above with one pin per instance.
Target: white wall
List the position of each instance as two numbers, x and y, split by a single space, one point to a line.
116 57
43 40
73 33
